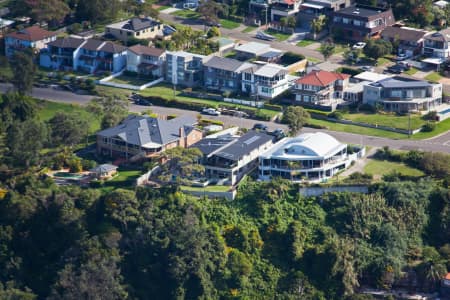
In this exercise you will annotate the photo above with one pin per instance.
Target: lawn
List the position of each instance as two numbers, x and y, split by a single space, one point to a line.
441 127
123 79
125 179
249 29
378 168
393 121
304 43
209 188
411 71
383 61
228 24
279 35
357 129
313 59
48 109
186 13
163 7
434 77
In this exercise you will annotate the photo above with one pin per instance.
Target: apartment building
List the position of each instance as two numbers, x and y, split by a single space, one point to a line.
184 68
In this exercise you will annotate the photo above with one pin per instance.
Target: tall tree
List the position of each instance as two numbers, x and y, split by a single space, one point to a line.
377 48
209 9
97 11
112 109
295 117
48 10
327 50
24 70
67 129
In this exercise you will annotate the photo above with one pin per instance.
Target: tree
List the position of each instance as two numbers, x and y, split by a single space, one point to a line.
183 162
209 11
377 48
344 264
352 55
327 50
436 164
295 117
112 109
23 69
67 129
97 11
317 24
48 10
122 206
15 107
213 32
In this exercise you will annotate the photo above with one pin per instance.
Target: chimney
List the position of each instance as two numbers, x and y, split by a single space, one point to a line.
181 131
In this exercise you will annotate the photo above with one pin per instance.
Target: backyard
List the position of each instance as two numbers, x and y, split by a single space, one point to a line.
125 179
132 80
378 168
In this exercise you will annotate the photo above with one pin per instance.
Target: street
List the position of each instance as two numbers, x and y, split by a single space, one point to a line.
440 143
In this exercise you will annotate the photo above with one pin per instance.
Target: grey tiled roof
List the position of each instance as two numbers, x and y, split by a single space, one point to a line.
67 42
142 130
401 82
244 145
137 24
227 64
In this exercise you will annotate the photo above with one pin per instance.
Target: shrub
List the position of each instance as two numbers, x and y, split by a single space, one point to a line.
428 127
367 108
262 116
348 71
273 107
431 116
88 164
75 165
315 126
337 115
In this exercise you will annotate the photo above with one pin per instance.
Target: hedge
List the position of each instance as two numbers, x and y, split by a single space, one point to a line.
273 107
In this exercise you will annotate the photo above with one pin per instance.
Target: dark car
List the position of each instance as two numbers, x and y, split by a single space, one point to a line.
259 126
397 69
278 133
213 24
143 102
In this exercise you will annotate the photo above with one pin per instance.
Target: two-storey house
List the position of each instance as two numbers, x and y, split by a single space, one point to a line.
224 74
100 56
144 136
136 28
283 9
356 23
401 94
61 54
33 37
308 157
184 68
436 47
320 87
409 40
230 158
267 81
145 60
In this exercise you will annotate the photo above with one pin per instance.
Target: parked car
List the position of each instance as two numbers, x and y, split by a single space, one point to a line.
260 126
211 111
264 36
278 133
359 45
143 102
367 68
213 24
397 69
401 57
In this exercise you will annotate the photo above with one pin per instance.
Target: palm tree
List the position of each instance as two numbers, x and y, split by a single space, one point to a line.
344 249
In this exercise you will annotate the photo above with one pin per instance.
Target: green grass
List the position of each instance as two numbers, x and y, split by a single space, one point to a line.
411 71
357 129
304 43
278 35
313 59
378 168
249 29
441 127
123 79
383 61
434 77
186 13
48 109
163 7
125 179
394 121
228 24
209 188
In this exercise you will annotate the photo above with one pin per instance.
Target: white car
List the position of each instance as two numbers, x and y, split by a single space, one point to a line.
401 56
211 111
359 45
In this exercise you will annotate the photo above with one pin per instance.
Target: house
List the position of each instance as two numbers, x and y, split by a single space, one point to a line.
436 47
5 25
320 87
445 287
229 158
403 95
136 28
32 37
283 9
224 74
370 76
184 68
311 157
61 54
145 60
144 136
100 56
266 81
323 7
409 40
356 23
104 171
252 50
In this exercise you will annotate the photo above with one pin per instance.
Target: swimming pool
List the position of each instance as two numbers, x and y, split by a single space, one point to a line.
444 112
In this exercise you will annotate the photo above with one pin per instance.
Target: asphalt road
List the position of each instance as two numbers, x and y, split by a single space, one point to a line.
437 144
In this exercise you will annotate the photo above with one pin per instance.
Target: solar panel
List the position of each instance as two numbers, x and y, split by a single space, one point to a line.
251 140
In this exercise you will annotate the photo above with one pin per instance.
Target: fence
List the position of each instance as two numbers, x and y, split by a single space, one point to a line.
258 104
143 179
225 195
105 81
318 191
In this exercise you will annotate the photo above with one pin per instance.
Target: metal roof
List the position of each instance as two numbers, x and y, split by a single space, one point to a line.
401 82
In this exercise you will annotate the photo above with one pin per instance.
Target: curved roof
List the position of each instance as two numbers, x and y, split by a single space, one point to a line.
306 145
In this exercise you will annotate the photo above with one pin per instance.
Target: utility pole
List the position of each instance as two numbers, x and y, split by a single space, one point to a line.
409 123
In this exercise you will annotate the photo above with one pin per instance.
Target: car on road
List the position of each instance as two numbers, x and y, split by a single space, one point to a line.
213 24
359 45
211 111
367 68
397 69
260 126
143 102
264 36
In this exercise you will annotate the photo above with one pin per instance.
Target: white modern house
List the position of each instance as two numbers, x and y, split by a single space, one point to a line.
267 81
312 157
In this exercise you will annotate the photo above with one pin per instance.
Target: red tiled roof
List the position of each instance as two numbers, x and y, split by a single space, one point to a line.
289 2
447 276
32 34
322 78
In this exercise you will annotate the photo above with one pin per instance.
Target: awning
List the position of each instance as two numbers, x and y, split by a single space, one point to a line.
309 5
434 60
